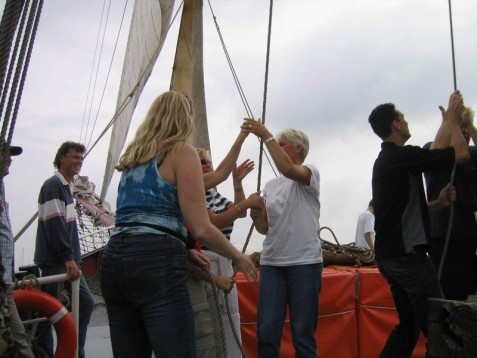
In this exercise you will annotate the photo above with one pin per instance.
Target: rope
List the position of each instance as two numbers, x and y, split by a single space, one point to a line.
130 96
219 313
7 33
91 72
29 281
32 28
236 79
8 86
97 69
264 109
451 207
109 72
358 255
229 315
14 63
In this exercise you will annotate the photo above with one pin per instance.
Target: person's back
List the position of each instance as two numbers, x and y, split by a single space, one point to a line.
364 236
152 205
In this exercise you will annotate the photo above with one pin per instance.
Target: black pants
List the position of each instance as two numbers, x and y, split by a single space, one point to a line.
459 273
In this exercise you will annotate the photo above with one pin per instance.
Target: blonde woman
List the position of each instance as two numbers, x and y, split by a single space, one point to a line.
143 270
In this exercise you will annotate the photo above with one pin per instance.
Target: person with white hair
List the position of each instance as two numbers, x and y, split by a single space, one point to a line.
291 262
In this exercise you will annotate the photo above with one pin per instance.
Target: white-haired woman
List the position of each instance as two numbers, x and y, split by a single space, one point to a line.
143 269
291 261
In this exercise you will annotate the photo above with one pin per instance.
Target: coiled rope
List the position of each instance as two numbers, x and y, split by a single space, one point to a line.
348 253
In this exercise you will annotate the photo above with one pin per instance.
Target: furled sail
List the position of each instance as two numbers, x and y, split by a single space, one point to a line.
188 72
149 25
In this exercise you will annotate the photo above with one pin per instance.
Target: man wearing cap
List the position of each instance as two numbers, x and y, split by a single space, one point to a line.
7 254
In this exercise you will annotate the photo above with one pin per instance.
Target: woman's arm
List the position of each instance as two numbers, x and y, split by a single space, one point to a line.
190 188
293 171
235 211
222 172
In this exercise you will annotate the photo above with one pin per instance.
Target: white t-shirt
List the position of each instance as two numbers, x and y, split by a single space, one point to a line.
293 211
365 224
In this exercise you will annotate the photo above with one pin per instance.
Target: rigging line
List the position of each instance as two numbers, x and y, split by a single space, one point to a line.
265 91
97 70
92 70
32 28
17 28
231 66
111 122
451 207
109 72
129 97
236 79
7 33
452 44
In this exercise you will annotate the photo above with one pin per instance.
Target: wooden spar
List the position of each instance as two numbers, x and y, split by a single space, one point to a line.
188 70
98 214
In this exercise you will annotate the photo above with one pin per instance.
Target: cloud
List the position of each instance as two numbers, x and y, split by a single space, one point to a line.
331 63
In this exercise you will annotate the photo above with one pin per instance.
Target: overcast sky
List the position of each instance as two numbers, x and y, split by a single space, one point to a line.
332 62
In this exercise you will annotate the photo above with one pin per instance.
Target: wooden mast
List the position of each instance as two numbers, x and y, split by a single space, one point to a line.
188 70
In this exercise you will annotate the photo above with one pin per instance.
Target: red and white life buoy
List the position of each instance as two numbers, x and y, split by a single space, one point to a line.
59 316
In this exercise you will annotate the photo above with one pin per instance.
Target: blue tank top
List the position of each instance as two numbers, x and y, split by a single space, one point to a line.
145 197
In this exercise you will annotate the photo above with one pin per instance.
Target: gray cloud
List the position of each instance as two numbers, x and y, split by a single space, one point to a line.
331 63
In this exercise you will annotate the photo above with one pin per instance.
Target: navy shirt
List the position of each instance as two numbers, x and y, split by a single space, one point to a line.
401 212
464 226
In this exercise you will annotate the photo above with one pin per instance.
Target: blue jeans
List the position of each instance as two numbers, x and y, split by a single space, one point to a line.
299 287
143 280
413 281
86 307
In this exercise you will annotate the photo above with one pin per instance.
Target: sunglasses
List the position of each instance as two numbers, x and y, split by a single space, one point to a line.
205 162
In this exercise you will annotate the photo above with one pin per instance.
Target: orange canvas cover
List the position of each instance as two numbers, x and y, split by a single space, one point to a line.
376 313
336 334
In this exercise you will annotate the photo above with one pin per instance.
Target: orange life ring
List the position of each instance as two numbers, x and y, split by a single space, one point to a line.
59 316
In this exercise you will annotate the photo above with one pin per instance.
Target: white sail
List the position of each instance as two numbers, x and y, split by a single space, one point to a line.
149 25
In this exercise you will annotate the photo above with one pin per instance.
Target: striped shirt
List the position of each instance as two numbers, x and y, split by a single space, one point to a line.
57 234
218 204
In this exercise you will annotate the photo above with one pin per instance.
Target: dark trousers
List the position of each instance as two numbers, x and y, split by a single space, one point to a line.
413 280
459 272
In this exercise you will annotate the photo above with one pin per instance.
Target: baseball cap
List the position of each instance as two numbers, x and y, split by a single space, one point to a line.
14 150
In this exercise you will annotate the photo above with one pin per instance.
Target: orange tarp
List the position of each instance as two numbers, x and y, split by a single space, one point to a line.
356 315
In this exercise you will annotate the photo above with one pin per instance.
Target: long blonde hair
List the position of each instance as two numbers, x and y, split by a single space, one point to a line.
168 122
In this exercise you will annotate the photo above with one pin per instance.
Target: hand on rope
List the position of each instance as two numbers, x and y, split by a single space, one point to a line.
256 127
225 283
244 264
454 108
447 195
197 258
